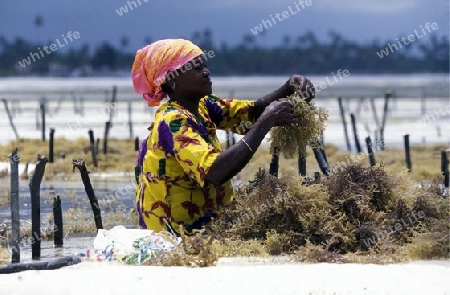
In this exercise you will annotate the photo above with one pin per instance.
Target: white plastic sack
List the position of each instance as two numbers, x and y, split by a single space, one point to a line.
132 246
120 238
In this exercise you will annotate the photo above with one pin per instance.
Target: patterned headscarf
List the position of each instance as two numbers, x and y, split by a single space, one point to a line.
154 61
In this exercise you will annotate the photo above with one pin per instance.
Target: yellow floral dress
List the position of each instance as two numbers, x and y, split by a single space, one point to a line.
174 159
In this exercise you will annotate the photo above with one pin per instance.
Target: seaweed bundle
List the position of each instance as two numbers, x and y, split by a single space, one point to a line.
292 139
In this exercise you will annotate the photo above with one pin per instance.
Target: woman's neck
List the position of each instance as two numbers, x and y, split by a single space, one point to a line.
191 106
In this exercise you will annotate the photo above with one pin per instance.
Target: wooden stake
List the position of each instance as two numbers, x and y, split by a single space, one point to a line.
57 217
273 167
105 139
111 108
444 167
14 159
302 165
344 122
136 144
370 152
407 153
35 187
355 134
387 95
375 118
10 118
80 165
130 119
42 108
321 158
92 145
317 176
97 144
50 145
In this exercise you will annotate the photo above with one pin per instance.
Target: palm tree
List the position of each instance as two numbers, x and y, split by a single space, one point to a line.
38 22
124 41
147 40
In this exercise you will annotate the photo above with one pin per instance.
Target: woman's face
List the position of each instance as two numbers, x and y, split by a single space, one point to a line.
192 80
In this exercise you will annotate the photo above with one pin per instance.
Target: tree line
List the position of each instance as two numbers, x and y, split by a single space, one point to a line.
302 54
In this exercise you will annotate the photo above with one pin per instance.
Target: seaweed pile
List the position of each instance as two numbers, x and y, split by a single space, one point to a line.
358 213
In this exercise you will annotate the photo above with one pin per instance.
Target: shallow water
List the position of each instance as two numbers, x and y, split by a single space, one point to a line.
111 193
72 195
75 244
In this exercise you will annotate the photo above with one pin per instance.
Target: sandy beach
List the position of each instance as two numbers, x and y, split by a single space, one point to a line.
235 276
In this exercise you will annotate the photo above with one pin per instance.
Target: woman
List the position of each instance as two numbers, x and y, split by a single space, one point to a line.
185 177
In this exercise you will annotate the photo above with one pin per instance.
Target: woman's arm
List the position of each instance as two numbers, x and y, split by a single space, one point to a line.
232 160
268 112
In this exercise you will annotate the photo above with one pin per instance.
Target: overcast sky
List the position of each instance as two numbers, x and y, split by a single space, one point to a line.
229 20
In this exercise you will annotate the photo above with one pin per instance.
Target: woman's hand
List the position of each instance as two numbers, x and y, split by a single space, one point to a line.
302 86
295 85
279 113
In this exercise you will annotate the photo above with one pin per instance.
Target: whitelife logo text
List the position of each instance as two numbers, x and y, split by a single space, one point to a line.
53 47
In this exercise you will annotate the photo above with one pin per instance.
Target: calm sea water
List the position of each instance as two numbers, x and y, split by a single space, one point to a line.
75 105
333 85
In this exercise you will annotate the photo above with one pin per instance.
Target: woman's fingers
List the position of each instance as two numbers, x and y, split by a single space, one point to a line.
281 112
285 114
296 84
302 86
309 88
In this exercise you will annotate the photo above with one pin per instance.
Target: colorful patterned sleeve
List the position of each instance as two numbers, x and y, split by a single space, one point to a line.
230 114
184 139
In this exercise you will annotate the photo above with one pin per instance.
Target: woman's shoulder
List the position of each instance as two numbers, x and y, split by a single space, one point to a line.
208 100
170 111
211 97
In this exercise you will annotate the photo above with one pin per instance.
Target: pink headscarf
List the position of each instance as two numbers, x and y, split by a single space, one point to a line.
154 61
